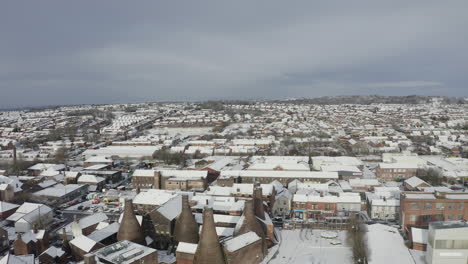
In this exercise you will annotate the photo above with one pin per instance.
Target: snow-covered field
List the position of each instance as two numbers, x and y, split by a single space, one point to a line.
306 246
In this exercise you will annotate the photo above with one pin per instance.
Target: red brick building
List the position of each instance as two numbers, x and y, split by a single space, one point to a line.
418 209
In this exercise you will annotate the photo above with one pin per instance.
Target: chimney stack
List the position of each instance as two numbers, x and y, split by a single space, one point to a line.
186 228
129 228
209 249
258 203
89 259
15 159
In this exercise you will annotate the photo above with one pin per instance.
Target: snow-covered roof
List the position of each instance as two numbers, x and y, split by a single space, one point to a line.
28 211
415 182
341 168
92 219
456 196
242 188
187 247
363 182
58 190
143 173
87 178
47 166
419 196
153 197
398 165
124 252
280 174
12 259
184 173
4 206
13 181
84 243
54 252
385 202
218 218
280 166
241 241
47 183
98 159
392 251
105 232
172 208
96 167
222 231
354 198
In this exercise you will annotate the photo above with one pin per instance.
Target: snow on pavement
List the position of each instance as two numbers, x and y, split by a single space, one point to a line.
306 246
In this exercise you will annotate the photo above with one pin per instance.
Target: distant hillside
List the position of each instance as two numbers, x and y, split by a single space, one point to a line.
376 99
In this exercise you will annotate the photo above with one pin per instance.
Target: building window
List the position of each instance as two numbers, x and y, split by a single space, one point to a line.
450 217
439 217
327 207
451 206
426 218
427 206
460 217
413 218
451 244
414 205
440 206
461 206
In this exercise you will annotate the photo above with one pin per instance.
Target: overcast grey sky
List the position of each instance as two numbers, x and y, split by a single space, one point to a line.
111 51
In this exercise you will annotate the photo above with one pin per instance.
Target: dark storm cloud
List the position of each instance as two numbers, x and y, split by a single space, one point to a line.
68 52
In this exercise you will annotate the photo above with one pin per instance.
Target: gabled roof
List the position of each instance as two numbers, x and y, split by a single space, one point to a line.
12 259
54 252
90 178
172 208
29 210
241 241
105 232
4 206
92 220
415 182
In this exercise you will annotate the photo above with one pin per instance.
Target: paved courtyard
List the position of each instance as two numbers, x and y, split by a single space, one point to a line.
307 246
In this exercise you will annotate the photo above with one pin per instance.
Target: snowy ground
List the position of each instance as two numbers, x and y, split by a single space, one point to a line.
419 257
306 246
386 246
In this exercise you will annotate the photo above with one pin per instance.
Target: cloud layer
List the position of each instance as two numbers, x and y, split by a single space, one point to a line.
52 52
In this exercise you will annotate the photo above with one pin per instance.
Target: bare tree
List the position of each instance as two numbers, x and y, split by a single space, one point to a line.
430 175
61 155
358 240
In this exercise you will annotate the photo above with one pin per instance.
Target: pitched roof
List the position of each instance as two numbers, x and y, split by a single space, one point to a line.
415 182
241 241
84 243
4 206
